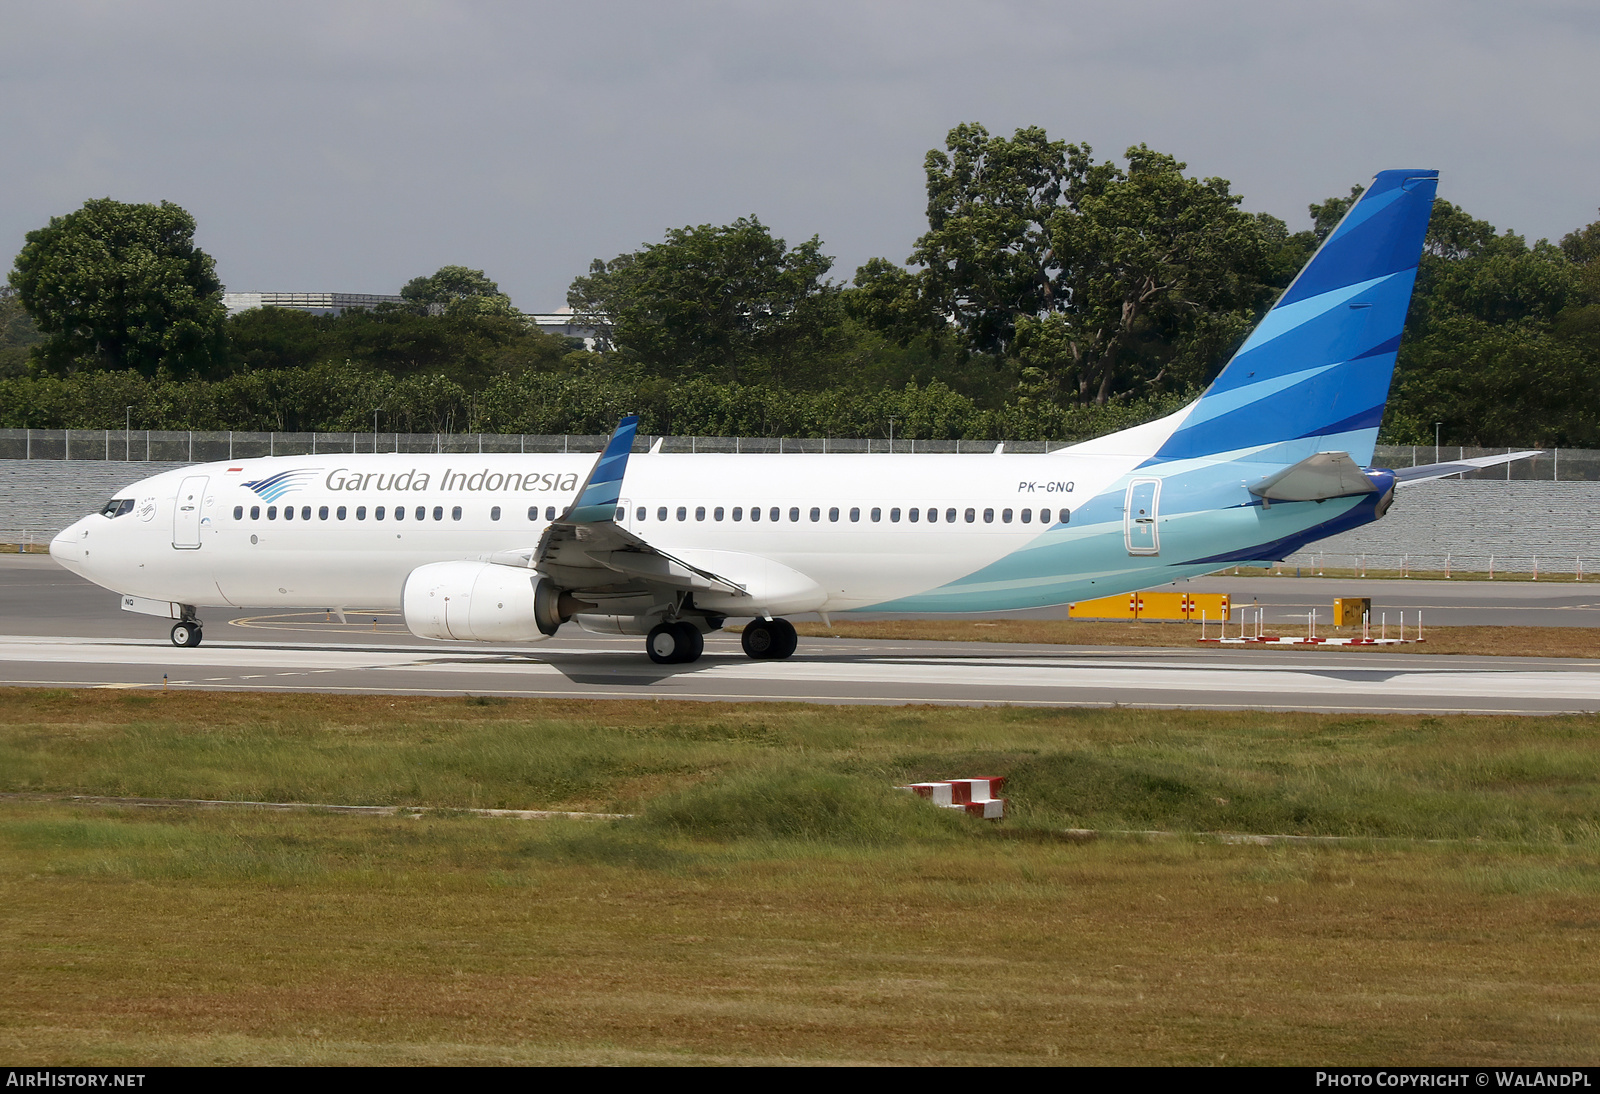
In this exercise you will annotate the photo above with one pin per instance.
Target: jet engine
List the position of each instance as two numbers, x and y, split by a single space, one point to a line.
484 602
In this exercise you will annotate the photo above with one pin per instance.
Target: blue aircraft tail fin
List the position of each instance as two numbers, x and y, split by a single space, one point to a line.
1314 374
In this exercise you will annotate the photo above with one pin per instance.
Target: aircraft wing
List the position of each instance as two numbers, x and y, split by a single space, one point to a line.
586 551
1429 471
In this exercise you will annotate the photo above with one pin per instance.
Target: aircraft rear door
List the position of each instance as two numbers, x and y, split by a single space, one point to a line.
1139 518
186 516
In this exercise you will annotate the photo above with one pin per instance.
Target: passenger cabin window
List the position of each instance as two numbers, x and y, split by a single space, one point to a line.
1027 516
833 514
288 512
700 512
716 514
972 515
933 516
683 512
238 512
494 513
533 512
738 512
255 512
950 515
377 514
877 515
640 512
361 512
422 513
794 514
550 512
322 512
1005 516
116 507
438 512
816 514
400 512
912 516
272 512
455 513
894 516
855 514
341 512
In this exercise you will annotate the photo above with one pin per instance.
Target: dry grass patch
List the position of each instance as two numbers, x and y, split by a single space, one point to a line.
1491 641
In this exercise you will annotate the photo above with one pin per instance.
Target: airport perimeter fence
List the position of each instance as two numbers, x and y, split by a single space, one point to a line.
1430 564
180 446
163 446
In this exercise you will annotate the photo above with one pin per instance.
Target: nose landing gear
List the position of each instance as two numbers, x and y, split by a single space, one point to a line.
186 634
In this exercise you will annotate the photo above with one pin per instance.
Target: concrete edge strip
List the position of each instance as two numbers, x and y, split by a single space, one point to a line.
368 810
1088 835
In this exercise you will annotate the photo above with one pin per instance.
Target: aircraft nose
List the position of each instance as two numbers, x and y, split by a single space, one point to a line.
65 547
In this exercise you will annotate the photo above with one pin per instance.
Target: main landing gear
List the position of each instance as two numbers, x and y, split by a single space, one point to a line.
186 634
674 643
680 643
768 639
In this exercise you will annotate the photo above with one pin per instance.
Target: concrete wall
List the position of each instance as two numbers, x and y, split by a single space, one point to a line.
38 498
1515 521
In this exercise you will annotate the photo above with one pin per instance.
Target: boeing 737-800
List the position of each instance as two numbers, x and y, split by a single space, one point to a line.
507 548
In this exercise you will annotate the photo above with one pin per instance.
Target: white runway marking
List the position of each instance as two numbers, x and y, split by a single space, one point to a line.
845 675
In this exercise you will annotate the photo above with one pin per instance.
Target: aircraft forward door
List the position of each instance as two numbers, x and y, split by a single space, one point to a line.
1139 517
186 516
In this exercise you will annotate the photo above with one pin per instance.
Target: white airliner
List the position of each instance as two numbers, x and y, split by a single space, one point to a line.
507 548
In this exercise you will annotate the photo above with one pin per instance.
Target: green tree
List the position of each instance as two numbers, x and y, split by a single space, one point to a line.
456 290
729 302
18 334
1086 271
1496 345
117 286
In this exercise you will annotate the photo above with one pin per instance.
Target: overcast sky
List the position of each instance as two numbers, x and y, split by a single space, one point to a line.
352 146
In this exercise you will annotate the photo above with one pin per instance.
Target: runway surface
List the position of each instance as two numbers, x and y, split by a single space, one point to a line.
56 630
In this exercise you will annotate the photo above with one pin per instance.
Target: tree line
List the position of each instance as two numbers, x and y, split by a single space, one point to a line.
1053 296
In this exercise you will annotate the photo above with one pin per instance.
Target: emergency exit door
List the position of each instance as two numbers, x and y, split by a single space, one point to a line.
1140 517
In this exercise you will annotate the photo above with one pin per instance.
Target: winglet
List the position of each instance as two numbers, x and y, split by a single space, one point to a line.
597 498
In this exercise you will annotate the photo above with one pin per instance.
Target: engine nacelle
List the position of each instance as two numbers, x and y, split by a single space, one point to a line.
482 602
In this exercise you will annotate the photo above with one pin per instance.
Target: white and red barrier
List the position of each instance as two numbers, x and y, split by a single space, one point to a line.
978 797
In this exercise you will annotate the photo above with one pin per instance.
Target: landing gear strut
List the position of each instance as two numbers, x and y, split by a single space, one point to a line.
186 634
769 639
674 643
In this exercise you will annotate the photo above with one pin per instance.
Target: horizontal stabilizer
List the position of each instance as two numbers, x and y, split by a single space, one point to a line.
1316 478
1455 467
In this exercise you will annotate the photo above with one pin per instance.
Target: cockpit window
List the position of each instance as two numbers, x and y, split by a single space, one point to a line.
116 507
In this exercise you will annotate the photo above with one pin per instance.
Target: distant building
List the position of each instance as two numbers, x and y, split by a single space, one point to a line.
316 303
559 323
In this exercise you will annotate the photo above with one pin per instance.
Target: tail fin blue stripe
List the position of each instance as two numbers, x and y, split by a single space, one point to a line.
597 500
1334 334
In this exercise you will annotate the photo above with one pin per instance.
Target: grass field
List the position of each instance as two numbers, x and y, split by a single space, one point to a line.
775 901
